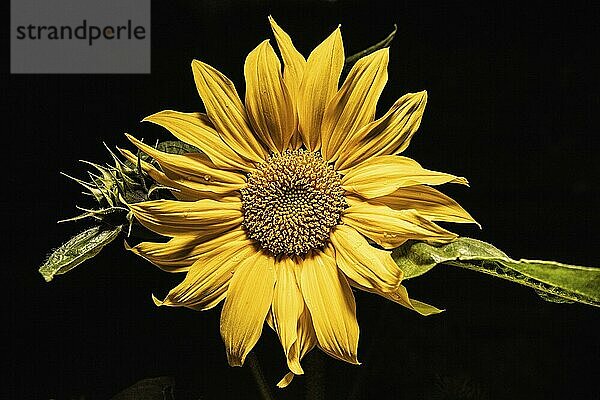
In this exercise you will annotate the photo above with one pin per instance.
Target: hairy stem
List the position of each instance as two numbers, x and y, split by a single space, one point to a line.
259 378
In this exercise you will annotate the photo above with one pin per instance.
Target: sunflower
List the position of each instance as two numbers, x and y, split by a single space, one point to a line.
297 196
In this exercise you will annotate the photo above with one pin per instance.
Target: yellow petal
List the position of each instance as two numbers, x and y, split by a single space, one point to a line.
249 298
382 175
226 111
179 190
296 141
319 85
354 104
287 307
400 296
388 135
194 170
307 338
270 321
362 262
294 63
179 218
390 228
268 102
179 253
428 202
171 256
207 281
306 341
197 130
286 380
332 308
293 71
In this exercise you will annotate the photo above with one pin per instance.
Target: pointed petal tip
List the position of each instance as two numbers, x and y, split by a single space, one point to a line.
266 42
349 358
286 380
148 118
124 152
418 97
197 65
139 143
130 137
353 359
156 301
338 31
430 312
273 23
383 52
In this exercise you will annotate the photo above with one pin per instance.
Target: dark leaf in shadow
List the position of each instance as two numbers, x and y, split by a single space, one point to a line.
160 388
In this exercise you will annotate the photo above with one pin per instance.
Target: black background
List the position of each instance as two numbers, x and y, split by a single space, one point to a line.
513 106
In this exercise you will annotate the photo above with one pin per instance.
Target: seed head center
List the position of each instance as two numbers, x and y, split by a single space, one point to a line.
291 202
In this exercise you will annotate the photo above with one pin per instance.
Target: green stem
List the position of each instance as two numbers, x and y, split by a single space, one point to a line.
379 45
259 377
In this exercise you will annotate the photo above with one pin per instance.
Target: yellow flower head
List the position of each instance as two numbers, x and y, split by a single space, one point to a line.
275 215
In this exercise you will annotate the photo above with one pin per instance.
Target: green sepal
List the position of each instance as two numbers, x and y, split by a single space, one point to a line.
78 249
553 281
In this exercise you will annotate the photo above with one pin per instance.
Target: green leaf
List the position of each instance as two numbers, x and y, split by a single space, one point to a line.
553 281
160 388
79 248
552 298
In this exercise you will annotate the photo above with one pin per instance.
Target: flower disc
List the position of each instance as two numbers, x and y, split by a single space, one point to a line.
291 202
